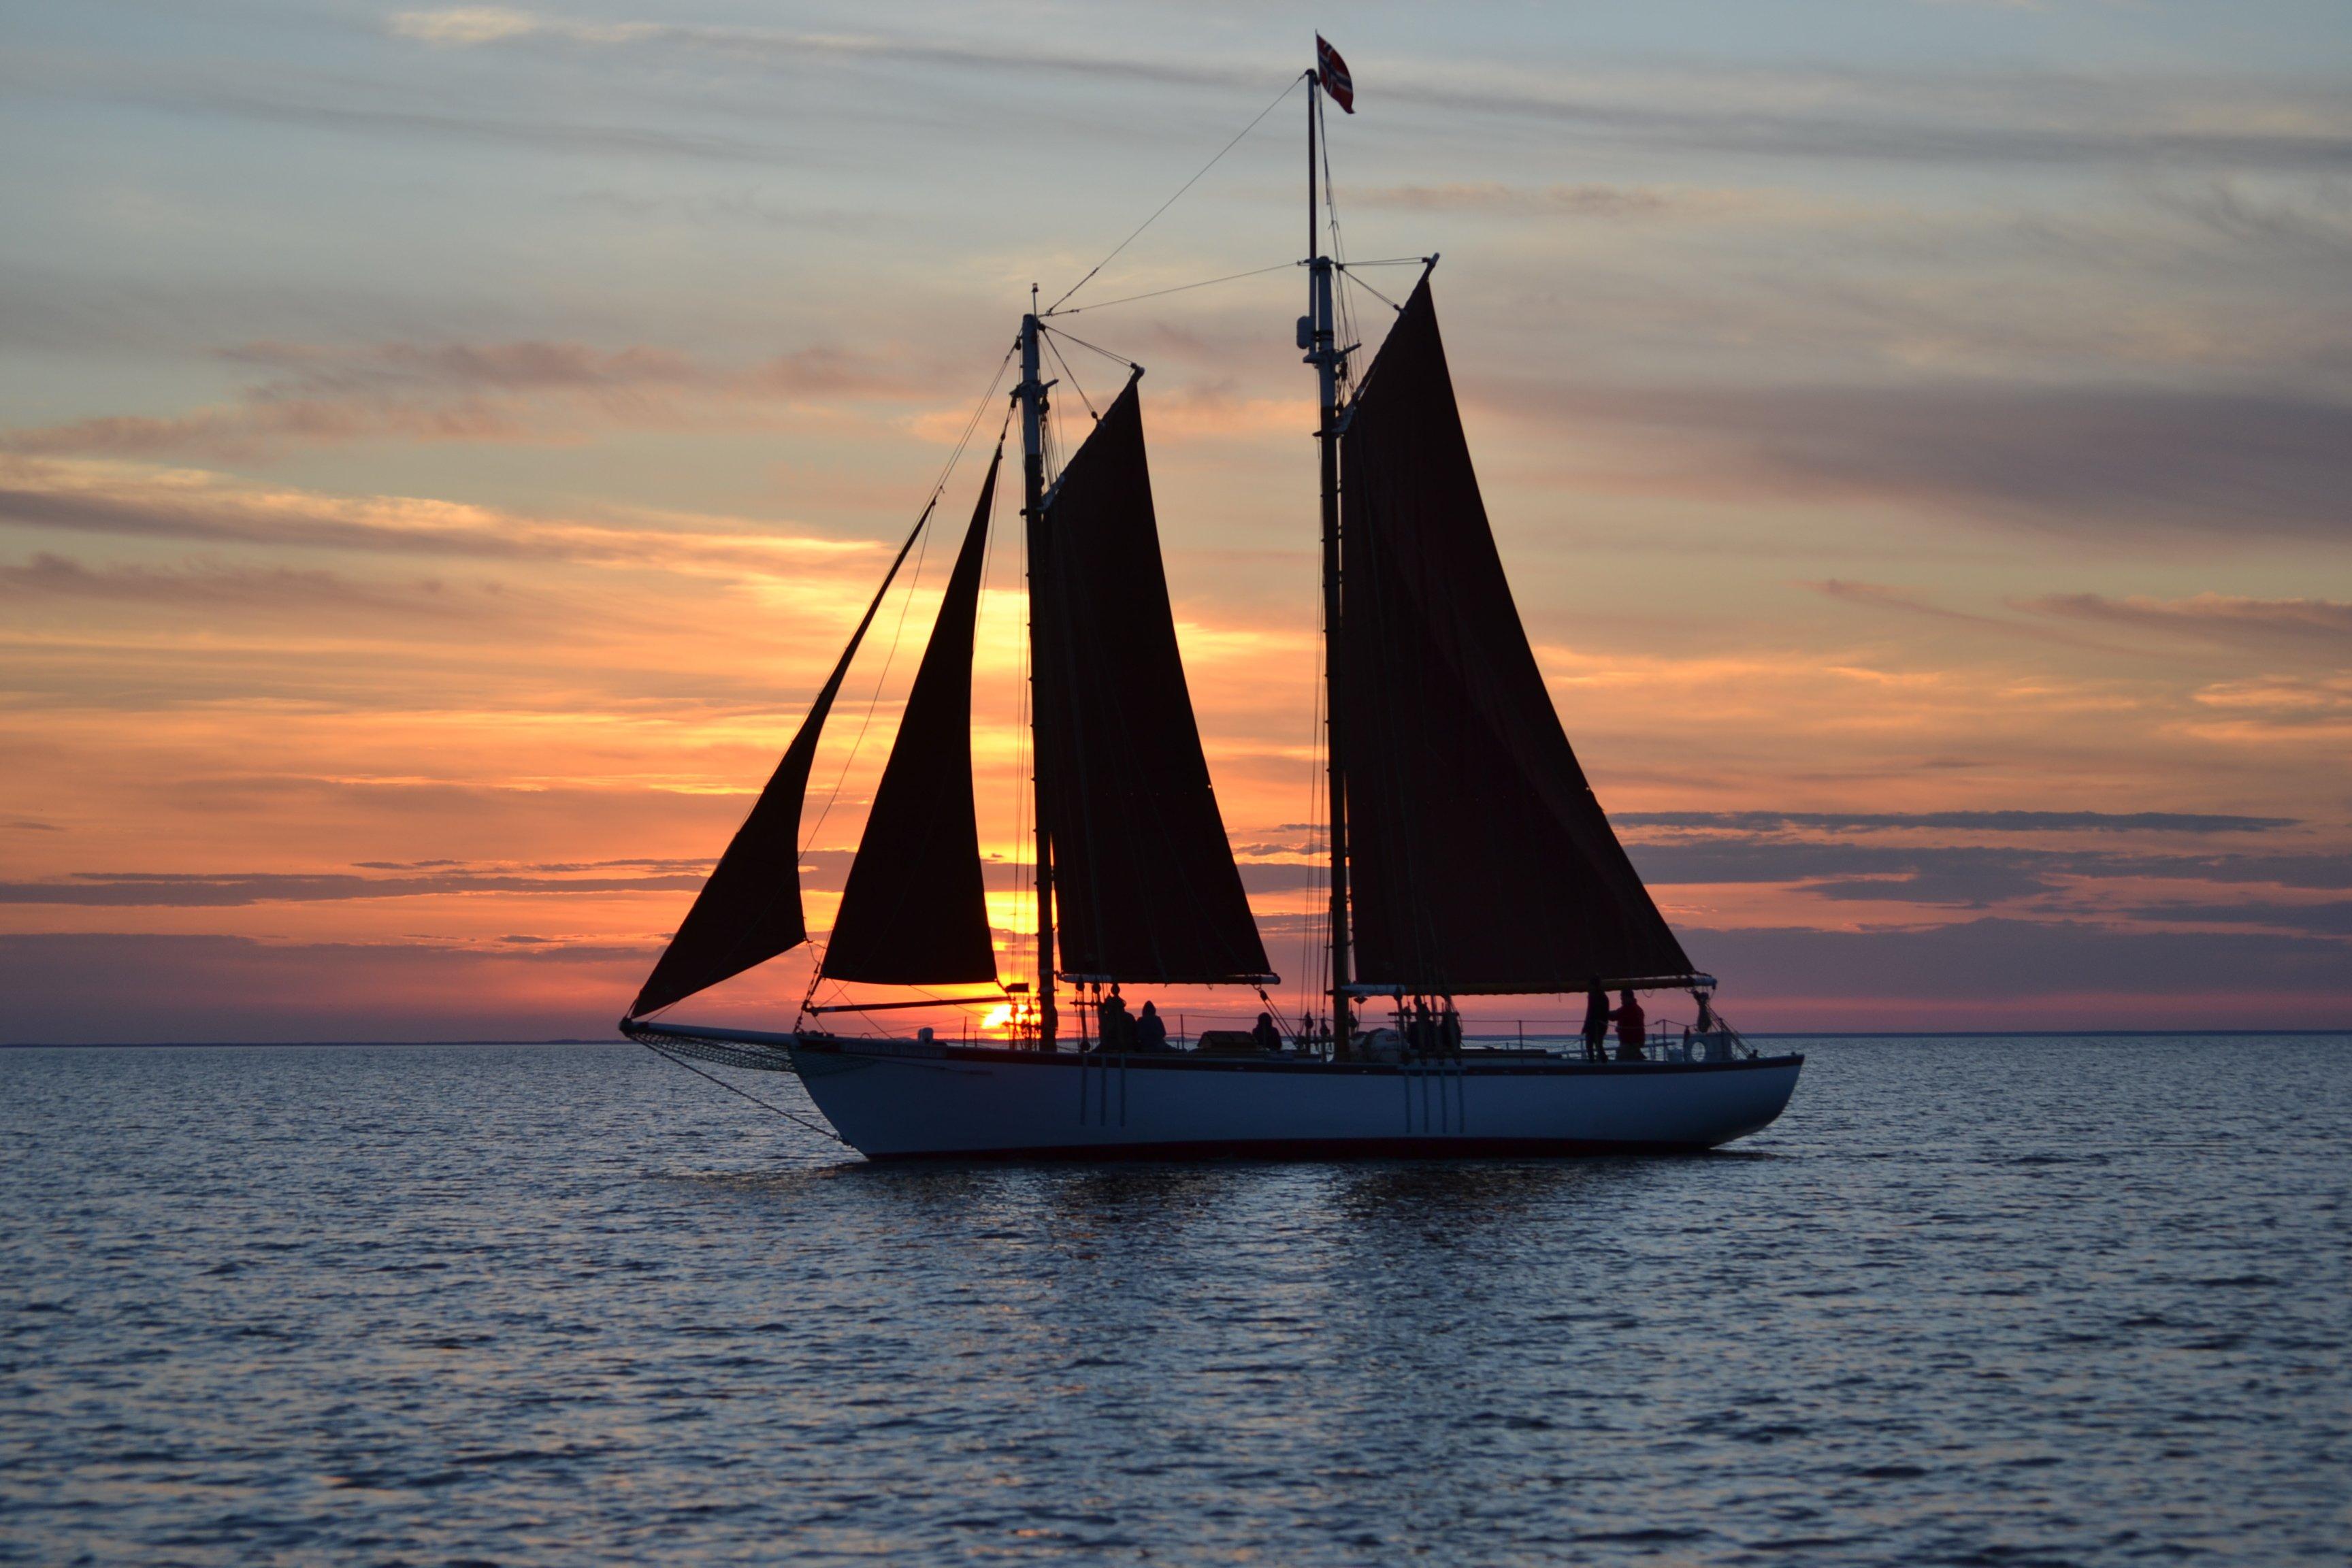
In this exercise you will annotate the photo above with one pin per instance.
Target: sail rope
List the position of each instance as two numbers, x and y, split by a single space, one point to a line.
1368 289
1118 359
1182 287
1314 933
947 473
1072 377
1288 87
865 721
778 1110
1346 324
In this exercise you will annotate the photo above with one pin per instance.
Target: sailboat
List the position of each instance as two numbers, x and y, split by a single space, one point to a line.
1466 855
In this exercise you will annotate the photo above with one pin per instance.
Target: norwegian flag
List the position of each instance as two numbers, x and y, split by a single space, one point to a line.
1333 72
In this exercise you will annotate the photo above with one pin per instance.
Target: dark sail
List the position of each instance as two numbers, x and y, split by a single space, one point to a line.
914 911
1144 878
1482 863
750 910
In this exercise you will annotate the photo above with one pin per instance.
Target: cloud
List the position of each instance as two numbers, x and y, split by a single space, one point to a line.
271 93
1983 967
2084 460
106 986
1962 877
1598 201
212 587
467 26
2315 221
2322 625
459 27
2277 708
1957 117
1969 821
2330 919
514 390
91 497
132 890
1959 875
1907 601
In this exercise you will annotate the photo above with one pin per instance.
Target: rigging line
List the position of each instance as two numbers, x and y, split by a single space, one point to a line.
1073 378
1376 294
1385 261
1181 287
991 596
963 442
1288 87
874 700
1116 359
780 1110
955 455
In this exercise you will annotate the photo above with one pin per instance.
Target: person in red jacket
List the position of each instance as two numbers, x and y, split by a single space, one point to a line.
1633 1025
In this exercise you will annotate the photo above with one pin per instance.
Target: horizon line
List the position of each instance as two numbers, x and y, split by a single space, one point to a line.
1745 1033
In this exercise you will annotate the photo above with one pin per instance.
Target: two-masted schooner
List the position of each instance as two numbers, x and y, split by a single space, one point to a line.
1466 854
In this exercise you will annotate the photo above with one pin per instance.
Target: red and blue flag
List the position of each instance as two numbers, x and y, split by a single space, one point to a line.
1332 71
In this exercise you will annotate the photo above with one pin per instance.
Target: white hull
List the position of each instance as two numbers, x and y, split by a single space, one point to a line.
906 1100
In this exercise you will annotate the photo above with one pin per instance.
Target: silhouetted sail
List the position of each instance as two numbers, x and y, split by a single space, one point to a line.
914 911
750 910
1144 878
1481 861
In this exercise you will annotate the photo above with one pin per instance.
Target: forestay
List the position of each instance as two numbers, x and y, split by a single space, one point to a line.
914 912
750 910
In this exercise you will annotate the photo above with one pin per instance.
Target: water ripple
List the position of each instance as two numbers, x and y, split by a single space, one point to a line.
2004 1302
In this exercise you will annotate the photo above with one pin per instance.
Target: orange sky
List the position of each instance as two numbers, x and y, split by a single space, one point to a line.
441 450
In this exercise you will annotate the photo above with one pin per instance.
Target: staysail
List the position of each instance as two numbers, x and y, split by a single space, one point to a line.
750 910
1142 871
1481 861
914 912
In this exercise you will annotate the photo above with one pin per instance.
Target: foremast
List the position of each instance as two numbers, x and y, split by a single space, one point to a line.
1031 395
1318 336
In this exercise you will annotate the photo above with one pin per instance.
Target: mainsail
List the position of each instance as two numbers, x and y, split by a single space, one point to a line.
750 910
1481 861
914 912
1142 871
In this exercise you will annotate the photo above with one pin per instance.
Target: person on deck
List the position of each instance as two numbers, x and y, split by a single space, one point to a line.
1267 1036
1596 1024
1150 1034
1116 1028
1633 1028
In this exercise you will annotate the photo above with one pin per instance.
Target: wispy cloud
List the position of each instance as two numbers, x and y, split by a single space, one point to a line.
1963 875
129 500
2331 918
2320 626
133 986
214 586
1966 821
2100 461
317 395
153 889
1564 200
1986 963
1957 117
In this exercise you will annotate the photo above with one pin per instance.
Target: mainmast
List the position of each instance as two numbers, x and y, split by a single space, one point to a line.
1031 394
1315 335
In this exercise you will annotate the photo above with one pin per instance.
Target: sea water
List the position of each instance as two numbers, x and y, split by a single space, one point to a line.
2010 1302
